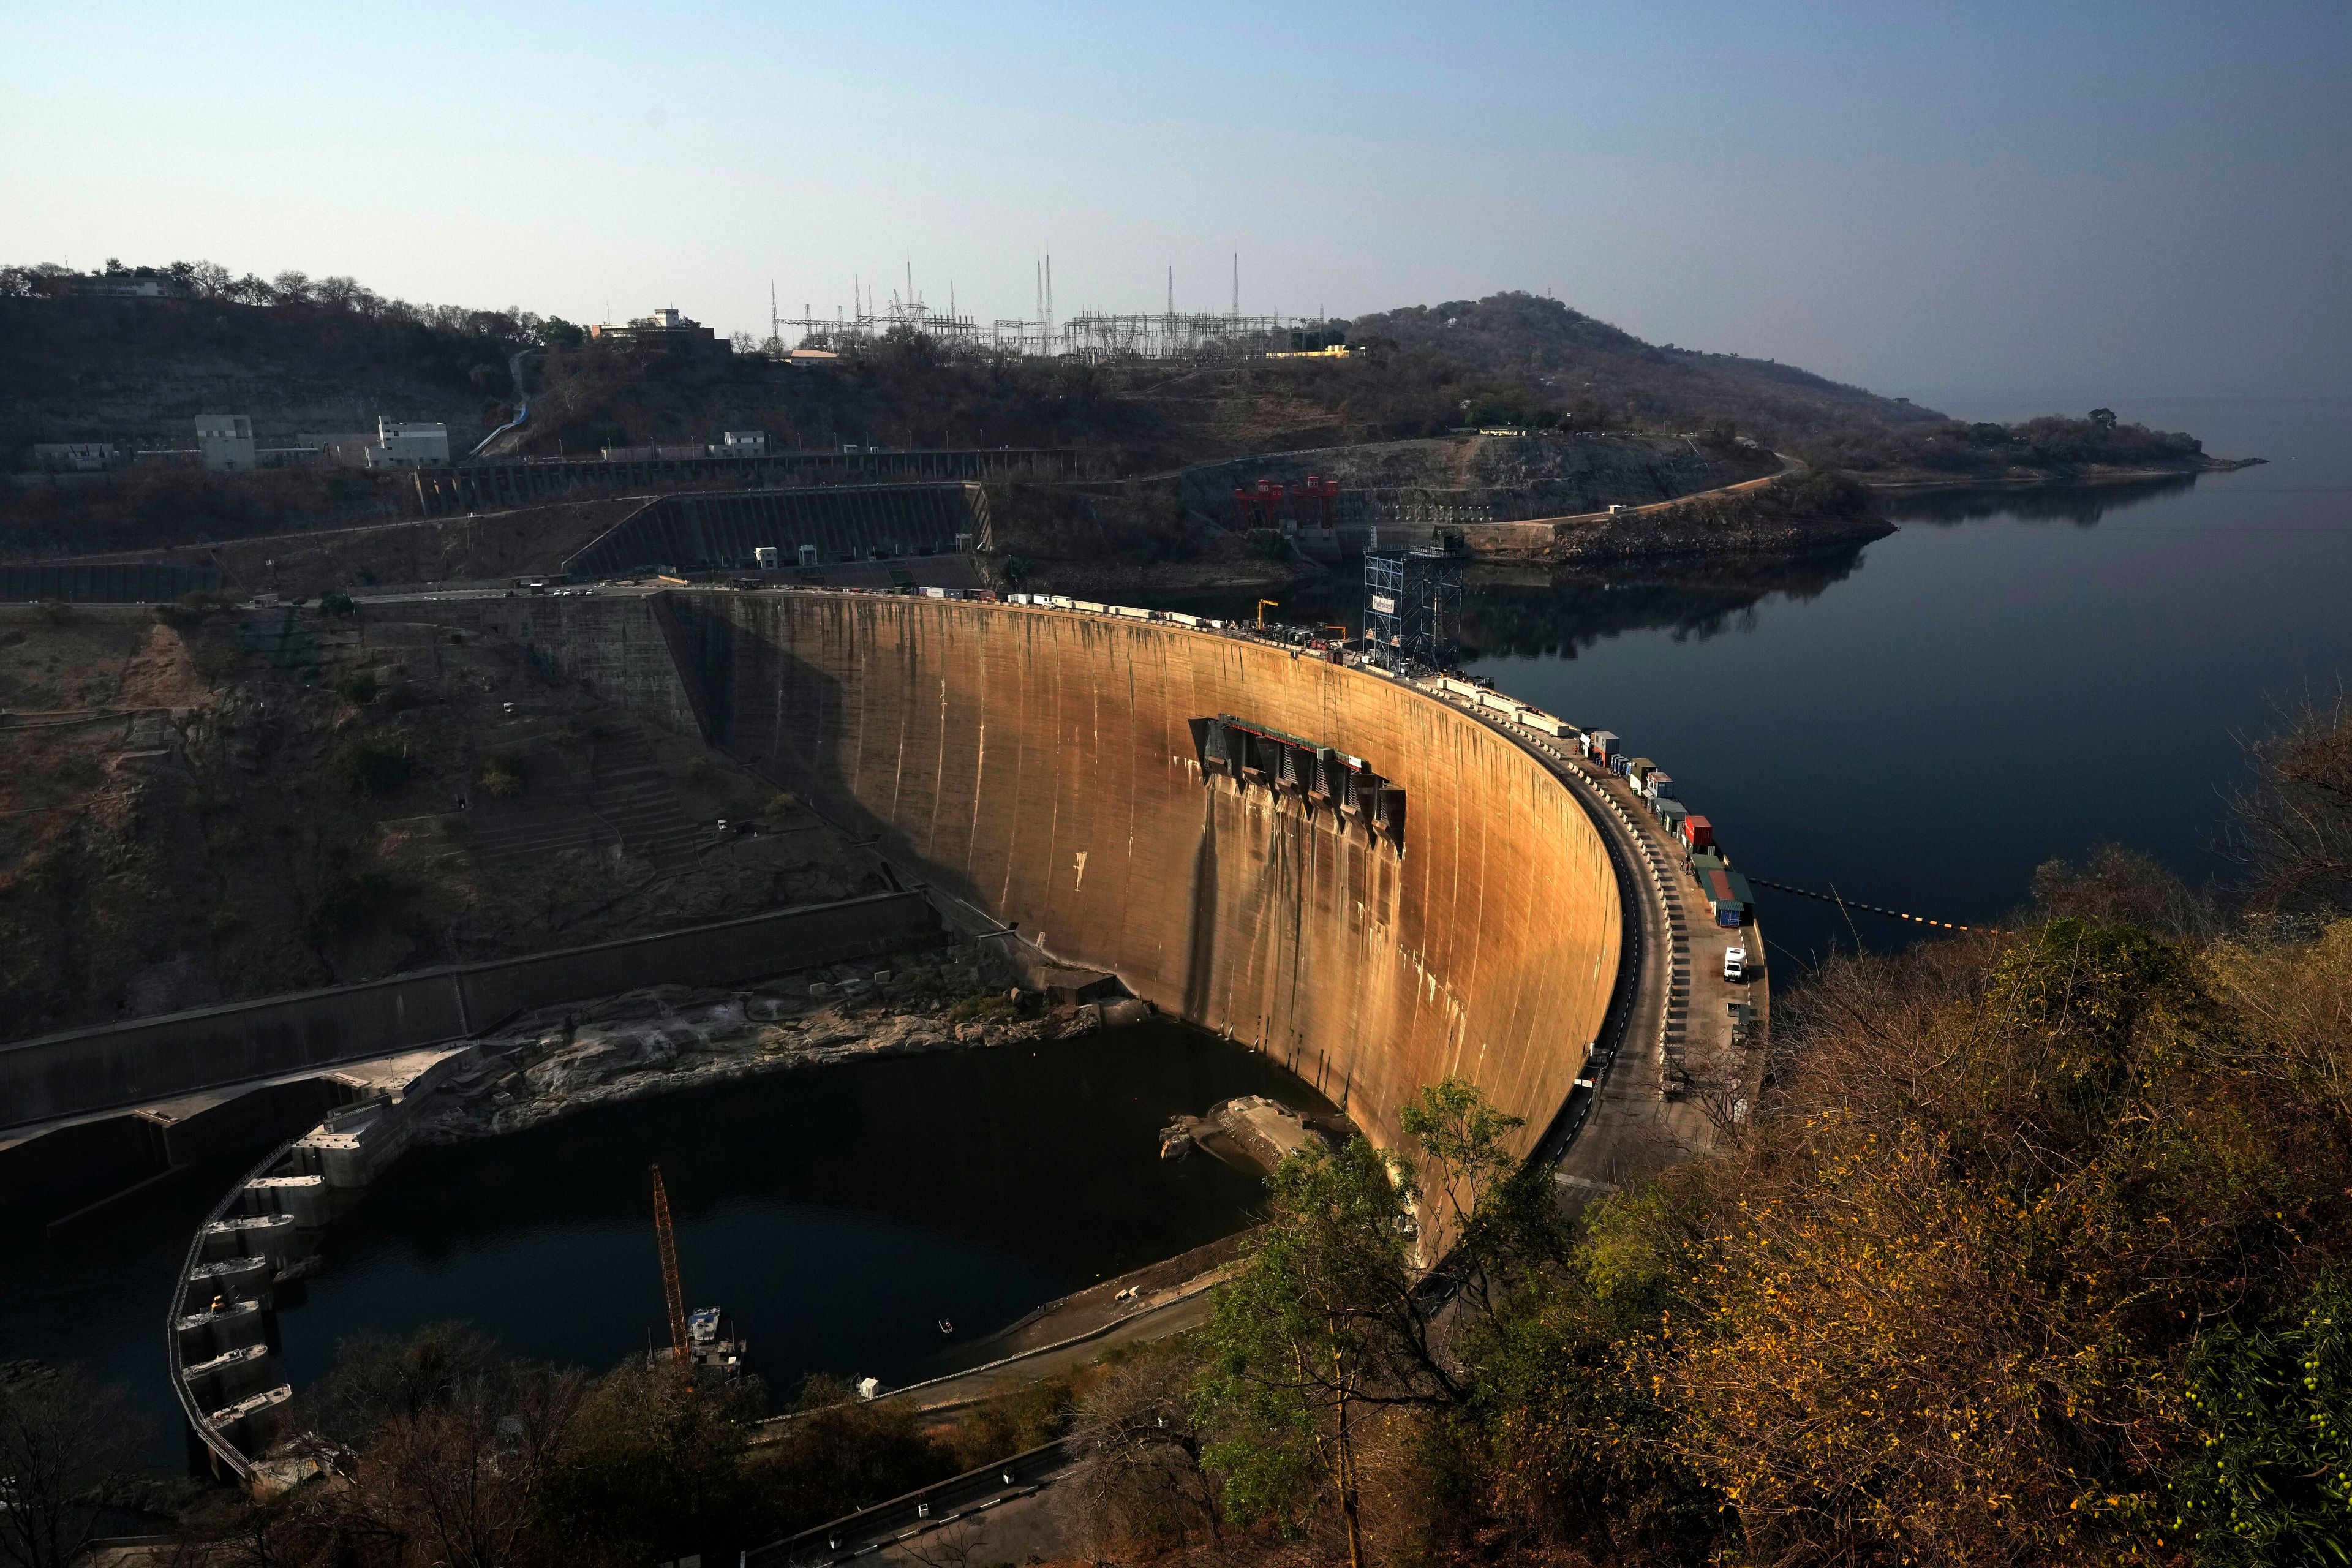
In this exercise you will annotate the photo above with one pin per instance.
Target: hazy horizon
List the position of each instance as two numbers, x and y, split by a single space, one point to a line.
2121 197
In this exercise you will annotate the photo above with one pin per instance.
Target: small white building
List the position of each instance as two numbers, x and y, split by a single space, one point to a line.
226 442
744 444
409 446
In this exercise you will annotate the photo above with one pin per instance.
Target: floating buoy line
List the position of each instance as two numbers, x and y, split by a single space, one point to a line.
1874 908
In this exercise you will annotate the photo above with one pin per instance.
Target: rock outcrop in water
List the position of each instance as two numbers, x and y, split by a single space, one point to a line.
655 1041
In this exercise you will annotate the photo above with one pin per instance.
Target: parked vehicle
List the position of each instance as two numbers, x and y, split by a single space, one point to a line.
1734 963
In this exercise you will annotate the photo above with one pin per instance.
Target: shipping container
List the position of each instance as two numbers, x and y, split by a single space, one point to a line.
1698 832
1658 782
1671 812
1601 746
1723 895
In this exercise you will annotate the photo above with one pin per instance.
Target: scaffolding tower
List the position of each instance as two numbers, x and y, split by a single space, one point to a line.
1412 607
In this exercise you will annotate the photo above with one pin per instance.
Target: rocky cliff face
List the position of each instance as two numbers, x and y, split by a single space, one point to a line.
239 802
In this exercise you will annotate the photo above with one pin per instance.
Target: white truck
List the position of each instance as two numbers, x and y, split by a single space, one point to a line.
1734 963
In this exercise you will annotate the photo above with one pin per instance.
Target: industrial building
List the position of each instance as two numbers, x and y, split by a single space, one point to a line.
225 443
408 446
666 330
75 457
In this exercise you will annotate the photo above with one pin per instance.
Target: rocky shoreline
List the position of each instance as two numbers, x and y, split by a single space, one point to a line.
1910 480
563 1060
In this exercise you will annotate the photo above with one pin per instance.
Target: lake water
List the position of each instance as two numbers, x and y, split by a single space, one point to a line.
1920 722
839 1214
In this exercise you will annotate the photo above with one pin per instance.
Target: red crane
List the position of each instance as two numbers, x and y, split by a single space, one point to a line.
670 1287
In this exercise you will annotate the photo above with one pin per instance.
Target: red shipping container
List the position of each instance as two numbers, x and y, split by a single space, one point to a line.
1698 832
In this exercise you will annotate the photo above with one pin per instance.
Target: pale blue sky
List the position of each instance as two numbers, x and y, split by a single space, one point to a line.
2153 196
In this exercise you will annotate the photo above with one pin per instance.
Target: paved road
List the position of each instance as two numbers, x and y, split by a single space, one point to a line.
1666 1074
1787 466
948 1513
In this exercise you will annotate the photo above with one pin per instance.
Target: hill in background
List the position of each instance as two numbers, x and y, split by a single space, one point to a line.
1577 361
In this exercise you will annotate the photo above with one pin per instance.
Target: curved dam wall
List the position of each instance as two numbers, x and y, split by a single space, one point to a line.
1042 765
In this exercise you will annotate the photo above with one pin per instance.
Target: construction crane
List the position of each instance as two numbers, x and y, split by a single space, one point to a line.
1264 606
670 1287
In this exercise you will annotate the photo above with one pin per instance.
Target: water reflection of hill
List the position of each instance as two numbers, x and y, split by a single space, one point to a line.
1571 611
2082 505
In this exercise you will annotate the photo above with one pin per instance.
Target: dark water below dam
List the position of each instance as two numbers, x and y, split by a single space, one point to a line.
838 1213
2011 676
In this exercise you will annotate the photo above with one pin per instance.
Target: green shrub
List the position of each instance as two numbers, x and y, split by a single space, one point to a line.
373 767
359 688
219 663
989 1007
348 903
500 778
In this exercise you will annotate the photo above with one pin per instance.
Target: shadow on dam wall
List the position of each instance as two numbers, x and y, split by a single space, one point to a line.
1041 764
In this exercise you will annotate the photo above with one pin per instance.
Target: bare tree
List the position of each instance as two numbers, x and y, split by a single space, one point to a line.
461 1481
1138 1476
2292 827
69 1449
950 1546
2113 883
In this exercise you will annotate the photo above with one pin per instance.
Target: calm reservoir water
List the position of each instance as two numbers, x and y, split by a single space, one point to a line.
2007 677
839 1214
1917 722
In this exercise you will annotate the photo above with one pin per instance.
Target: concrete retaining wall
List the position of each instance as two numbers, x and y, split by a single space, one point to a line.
151 1059
1041 764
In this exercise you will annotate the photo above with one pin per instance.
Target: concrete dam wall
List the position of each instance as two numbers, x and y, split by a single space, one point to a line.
1043 765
